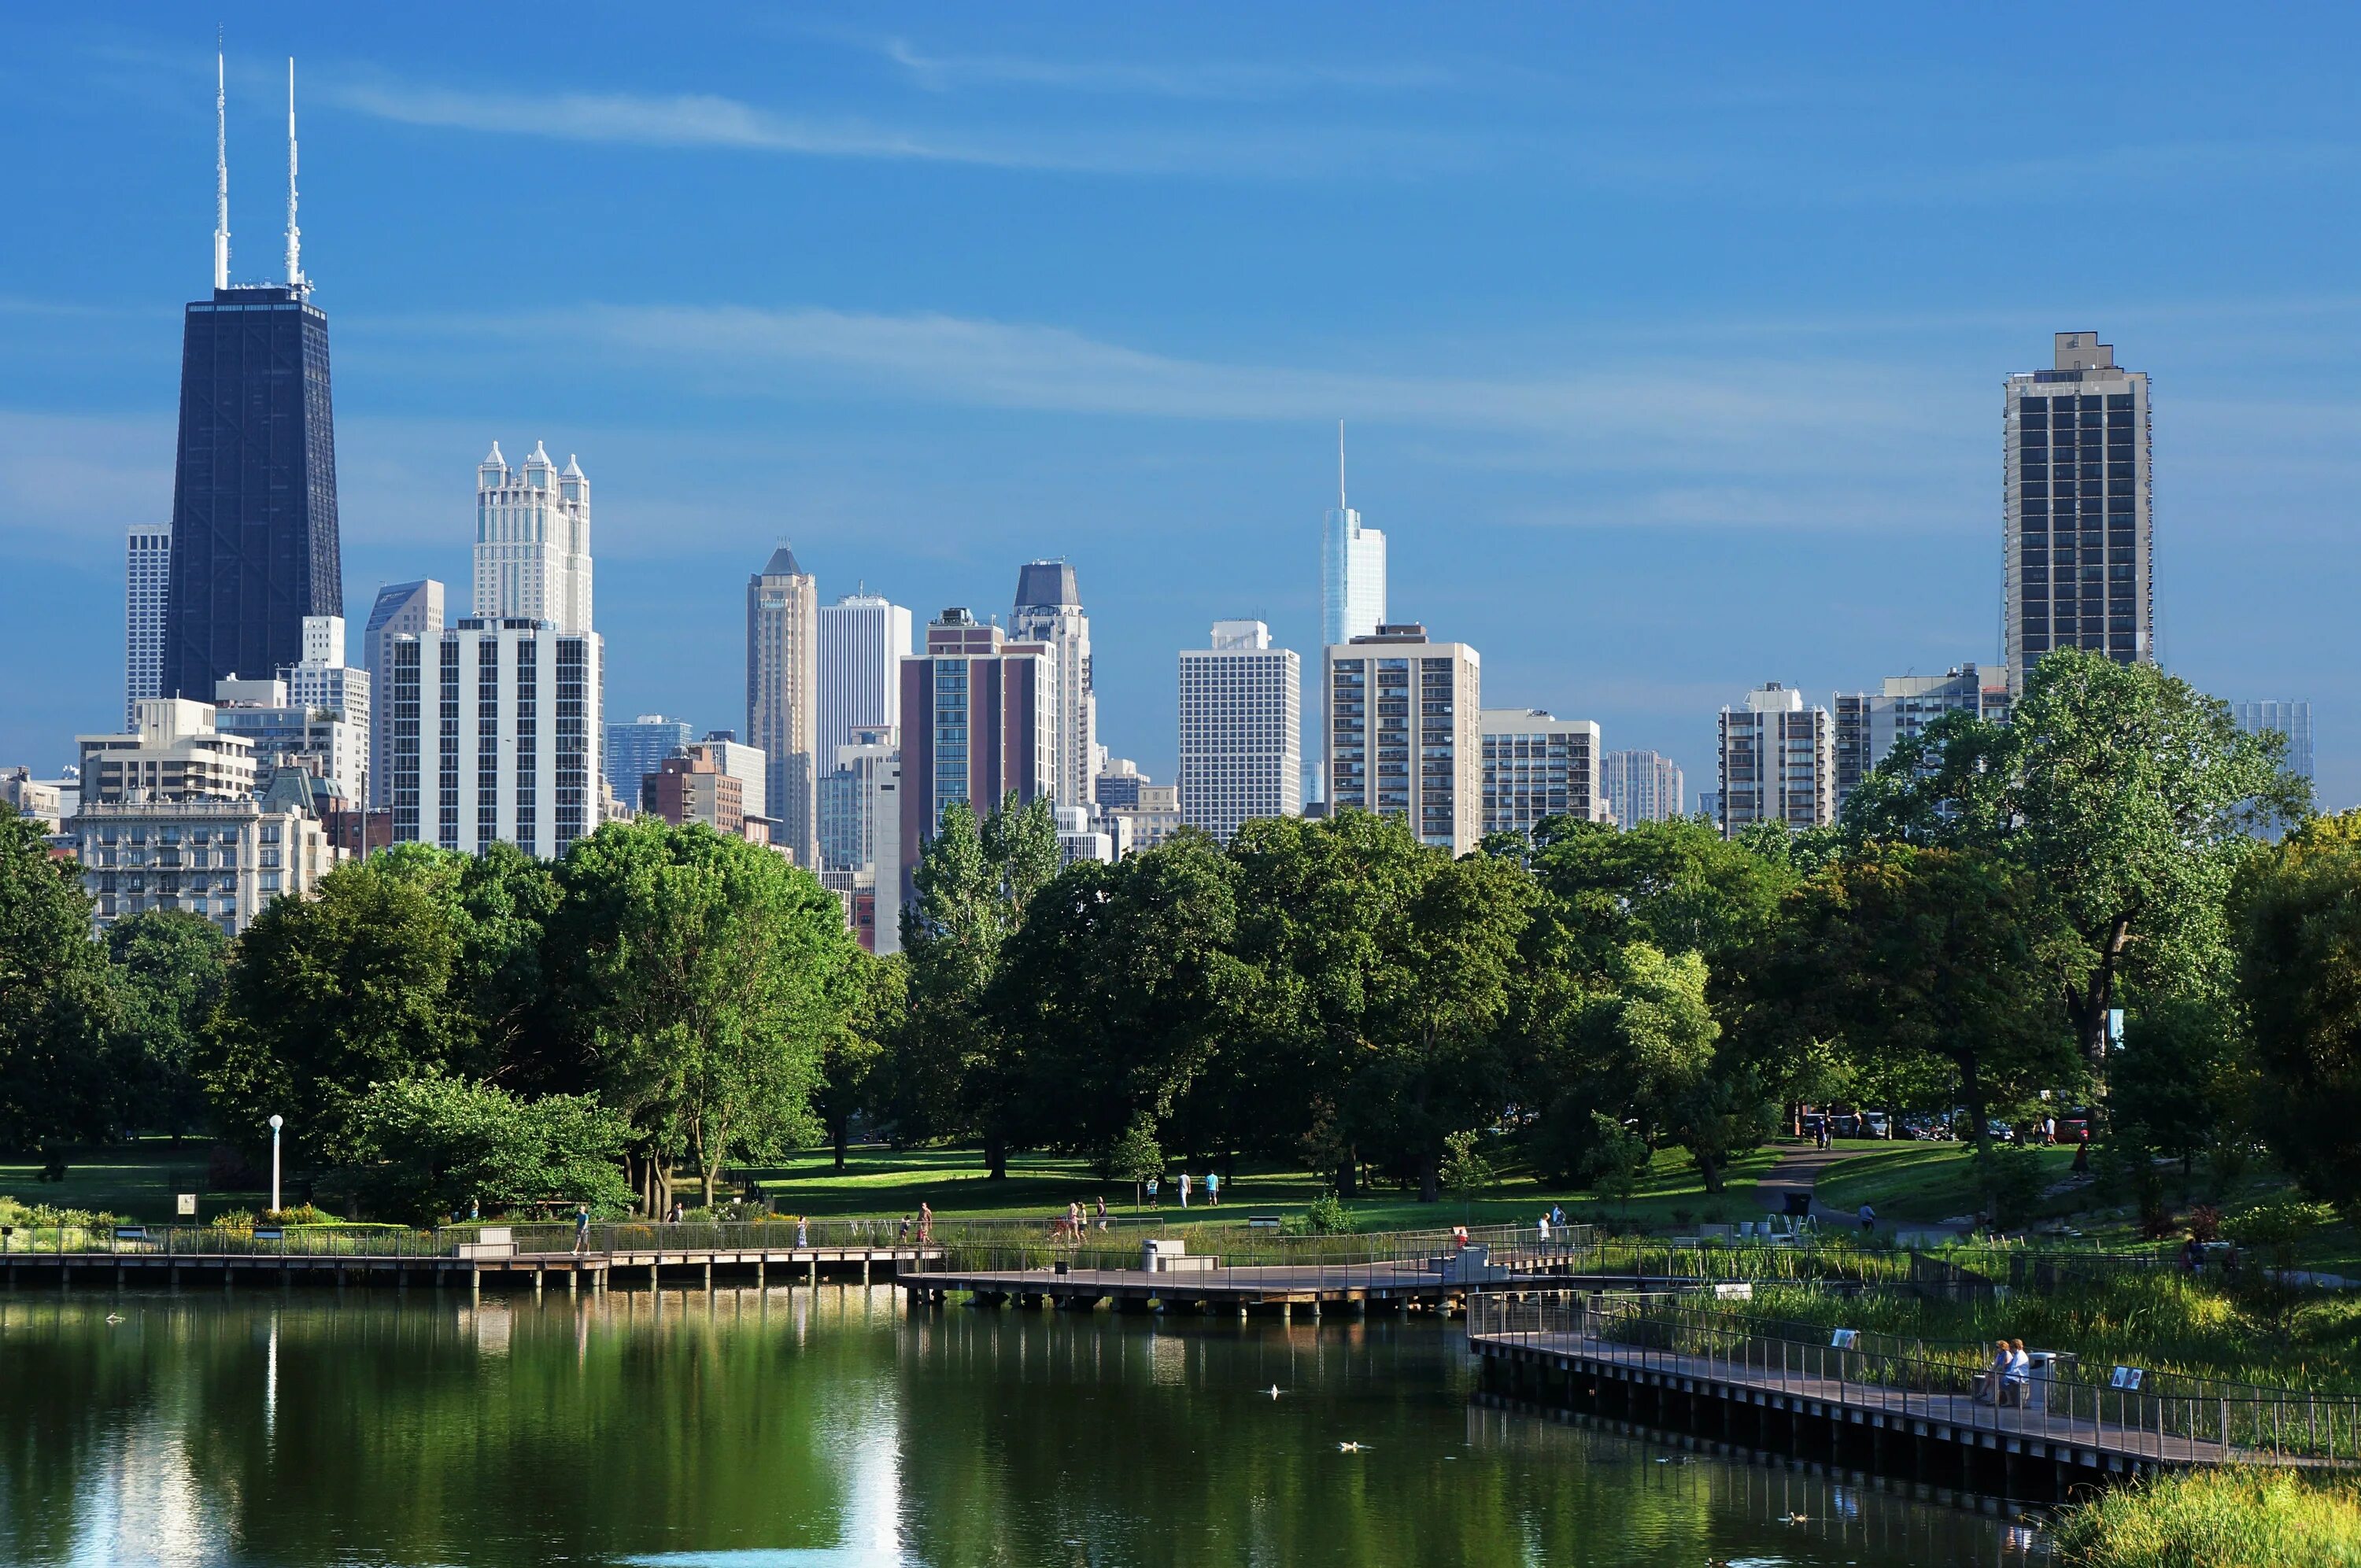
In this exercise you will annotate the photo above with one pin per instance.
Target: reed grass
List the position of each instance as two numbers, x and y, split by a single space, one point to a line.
2217 1519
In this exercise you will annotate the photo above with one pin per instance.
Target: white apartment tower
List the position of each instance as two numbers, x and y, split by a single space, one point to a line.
1536 766
1352 569
1402 732
1241 726
147 577
862 640
2078 554
1778 762
1641 787
783 698
1049 610
532 542
410 610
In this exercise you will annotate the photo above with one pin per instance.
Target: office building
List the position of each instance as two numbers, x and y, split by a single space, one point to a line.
254 482
2079 552
1079 841
847 817
285 734
1118 783
1048 611
222 859
321 681
173 751
1402 736
403 610
1352 569
979 724
884 835
1709 805
636 750
2292 720
1152 818
783 696
1536 766
745 763
1241 729
496 727
1868 726
48 802
1777 763
147 585
862 640
693 787
1641 787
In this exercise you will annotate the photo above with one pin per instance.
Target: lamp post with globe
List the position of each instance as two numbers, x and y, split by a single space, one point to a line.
276 1123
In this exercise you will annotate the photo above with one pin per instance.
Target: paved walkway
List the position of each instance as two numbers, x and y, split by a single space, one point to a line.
1800 1169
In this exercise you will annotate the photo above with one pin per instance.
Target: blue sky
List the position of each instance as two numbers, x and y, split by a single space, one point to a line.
1670 338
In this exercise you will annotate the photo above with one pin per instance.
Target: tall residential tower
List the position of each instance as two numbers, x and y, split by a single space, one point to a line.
783 698
1241 730
147 585
1048 611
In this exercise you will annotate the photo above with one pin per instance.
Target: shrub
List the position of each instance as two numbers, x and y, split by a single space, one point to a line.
2011 1177
2206 1223
301 1214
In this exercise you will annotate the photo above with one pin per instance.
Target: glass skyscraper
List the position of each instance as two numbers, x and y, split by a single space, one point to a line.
254 492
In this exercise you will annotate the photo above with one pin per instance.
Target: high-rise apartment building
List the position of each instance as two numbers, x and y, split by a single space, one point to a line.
1868 726
848 840
783 697
745 763
2078 553
1048 611
1777 763
863 638
1537 765
1352 569
254 546
496 728
979 723
1641 787
403 610
1241 730
2292 720
1402 734
147 585
638 748
532 542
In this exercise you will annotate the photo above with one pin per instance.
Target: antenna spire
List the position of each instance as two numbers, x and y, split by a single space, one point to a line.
221 169
295 278
1340 465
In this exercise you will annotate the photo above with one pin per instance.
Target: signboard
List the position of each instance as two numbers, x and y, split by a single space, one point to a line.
2127 1377
188 1205
2115 1028
1845 1339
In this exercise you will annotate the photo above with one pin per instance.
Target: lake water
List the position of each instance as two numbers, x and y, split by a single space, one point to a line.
828 1429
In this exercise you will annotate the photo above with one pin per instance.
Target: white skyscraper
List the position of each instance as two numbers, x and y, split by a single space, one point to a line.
1241 729
147 577
783 697
862 640
1352 569
1641 787
1048 611
532 542
412 609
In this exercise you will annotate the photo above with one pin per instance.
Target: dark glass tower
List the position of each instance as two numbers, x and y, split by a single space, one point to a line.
254 492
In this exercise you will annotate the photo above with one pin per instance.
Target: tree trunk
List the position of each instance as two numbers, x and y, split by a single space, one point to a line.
1430 1185
1348 1177
995 1158
840 1132
1708 1170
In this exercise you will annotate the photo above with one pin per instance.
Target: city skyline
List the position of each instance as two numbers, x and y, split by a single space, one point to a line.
1445 425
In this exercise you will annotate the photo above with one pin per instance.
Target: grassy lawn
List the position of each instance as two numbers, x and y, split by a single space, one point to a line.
887 1181
138 1180
1930 1181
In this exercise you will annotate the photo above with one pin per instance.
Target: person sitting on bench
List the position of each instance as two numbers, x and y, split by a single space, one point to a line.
1989 1381
2018 1378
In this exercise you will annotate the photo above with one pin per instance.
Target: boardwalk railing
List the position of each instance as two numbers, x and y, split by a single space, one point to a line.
2160 1415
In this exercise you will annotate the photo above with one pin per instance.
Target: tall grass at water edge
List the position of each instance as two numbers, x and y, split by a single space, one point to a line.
2217 1519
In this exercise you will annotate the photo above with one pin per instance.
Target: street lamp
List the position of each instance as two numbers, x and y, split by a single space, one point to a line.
276 1123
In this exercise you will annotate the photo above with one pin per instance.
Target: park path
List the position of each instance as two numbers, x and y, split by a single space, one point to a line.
1800 1170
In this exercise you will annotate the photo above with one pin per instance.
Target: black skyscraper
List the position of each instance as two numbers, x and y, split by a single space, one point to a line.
254 492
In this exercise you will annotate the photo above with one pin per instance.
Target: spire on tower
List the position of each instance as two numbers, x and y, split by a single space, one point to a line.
221 169
1340 465
295 278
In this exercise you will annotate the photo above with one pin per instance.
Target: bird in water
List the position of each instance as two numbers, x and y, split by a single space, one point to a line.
1797 1518
114 1317
1350 1447
1272 1391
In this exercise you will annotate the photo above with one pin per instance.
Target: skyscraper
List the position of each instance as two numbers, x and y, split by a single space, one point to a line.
1241 730
1777 763
1641 787
254 484
1049 610
532 542
1870 725
2079 557
979 723
1352 569
1402 732
147 583
2292 720
412 609
783 697
1537 765
863 638
638 748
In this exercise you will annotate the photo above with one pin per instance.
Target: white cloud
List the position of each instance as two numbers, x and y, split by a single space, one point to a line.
1164 79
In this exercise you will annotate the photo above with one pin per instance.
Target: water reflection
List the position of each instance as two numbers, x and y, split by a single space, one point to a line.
793 1426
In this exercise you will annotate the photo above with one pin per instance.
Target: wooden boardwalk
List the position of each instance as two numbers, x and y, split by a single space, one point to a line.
595 1270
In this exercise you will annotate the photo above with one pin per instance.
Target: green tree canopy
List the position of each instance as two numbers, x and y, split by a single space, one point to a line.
169 968
57 1008
430 1146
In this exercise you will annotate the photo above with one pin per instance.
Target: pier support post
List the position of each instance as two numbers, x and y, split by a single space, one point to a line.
652 1273
536 1284
815 1271
761 1270
709 1277
864 1271
1315 1308
574 1280
1287 1311
474 1282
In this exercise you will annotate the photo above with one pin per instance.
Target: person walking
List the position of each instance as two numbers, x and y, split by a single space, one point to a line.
903 1239
2081 1166
1212 1189
581 1228
1184 1189
1151 1194
925 1224
1868 1219
802 1232
1544 1227
1103 1219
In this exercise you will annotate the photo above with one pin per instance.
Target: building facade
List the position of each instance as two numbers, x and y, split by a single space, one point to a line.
1777 763
693 787
638 748
1642 786
1401 733
255 545
2078 551
147 586
862 640
174 751
1352 569
2292 720
848 840
1048 611
412 609
223 861
1537 765
783 697
1241 730
979 723
1868 726
285 733
532 542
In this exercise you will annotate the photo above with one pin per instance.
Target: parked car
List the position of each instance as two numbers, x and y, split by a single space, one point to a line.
1876 1124
2000 1132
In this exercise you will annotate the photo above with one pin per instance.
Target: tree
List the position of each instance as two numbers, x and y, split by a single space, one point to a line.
498 905
2182 1079
429 1146
168 970
327 996
1677 885
1135 1156
57 1008
2296 914
702 976
1464 1169
879 989
2123 794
